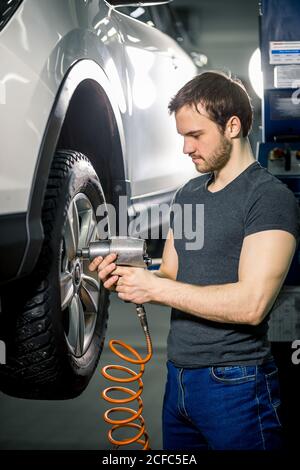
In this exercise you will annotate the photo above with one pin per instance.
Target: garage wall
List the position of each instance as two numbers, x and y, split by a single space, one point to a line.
227 32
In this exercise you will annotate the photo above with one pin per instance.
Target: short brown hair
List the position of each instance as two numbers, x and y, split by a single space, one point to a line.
220 95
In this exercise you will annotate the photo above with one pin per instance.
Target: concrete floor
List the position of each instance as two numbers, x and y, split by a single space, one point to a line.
78 423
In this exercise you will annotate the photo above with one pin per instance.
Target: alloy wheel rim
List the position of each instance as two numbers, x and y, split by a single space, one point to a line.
79 287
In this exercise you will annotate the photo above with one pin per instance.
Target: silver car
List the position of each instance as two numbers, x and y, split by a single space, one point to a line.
84 89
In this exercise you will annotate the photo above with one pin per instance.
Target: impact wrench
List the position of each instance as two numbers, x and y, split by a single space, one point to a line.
130 252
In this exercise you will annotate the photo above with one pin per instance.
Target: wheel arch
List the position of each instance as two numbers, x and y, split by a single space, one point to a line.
85 118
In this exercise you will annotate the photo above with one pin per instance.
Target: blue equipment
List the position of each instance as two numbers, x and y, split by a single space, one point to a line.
279 150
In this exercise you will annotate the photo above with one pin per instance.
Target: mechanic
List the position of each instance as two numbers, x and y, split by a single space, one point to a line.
222 387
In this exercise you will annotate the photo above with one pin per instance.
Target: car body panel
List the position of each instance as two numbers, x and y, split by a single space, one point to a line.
156 67
47 49
40 44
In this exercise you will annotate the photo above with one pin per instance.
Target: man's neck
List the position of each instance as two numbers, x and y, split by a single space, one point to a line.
241 157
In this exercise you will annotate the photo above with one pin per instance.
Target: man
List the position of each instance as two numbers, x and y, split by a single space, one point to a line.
222 387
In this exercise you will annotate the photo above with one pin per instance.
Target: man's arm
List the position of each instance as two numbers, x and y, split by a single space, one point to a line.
264 262
169 265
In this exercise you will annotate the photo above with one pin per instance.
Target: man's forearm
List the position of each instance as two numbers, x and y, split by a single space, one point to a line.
228 303
159 273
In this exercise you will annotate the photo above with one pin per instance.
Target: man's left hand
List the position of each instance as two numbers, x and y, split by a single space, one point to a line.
137 285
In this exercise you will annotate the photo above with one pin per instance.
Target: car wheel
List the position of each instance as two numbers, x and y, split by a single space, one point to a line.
55 322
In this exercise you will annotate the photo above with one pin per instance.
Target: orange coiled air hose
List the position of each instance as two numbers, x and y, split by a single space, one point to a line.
142 436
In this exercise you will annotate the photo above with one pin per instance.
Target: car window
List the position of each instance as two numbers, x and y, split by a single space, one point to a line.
161 17
143 14
164 19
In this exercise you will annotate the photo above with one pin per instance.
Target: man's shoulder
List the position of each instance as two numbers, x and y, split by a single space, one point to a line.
271 198
262 183
271 206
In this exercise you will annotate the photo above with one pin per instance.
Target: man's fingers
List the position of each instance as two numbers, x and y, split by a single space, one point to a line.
110 282
100 262
122 270
108 260
103 273
93 265
108 271
121 288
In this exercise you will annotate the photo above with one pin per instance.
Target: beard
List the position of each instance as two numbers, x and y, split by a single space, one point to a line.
218 159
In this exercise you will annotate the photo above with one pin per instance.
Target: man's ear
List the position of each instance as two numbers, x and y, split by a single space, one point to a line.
233 127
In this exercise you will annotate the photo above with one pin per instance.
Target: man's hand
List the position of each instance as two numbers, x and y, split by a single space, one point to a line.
105 266
135 285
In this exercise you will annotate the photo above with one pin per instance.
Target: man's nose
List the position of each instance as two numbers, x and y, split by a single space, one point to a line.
188 147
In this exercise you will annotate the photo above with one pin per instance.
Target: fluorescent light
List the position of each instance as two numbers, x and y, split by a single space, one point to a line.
255 73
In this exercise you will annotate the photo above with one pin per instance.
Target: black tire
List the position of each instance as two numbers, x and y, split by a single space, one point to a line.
40 362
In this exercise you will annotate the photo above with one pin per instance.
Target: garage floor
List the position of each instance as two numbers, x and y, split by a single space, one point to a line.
78 423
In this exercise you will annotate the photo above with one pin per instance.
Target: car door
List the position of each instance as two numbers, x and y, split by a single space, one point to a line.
156 67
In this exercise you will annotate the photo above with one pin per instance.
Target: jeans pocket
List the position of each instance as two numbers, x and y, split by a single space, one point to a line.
272 382
273 388
233 374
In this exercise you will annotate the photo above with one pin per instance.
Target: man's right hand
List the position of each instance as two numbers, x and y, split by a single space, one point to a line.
105 266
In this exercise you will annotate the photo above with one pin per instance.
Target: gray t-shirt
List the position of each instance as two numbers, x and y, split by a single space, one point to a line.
254 201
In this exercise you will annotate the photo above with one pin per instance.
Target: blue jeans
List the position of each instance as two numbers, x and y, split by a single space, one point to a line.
222 408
